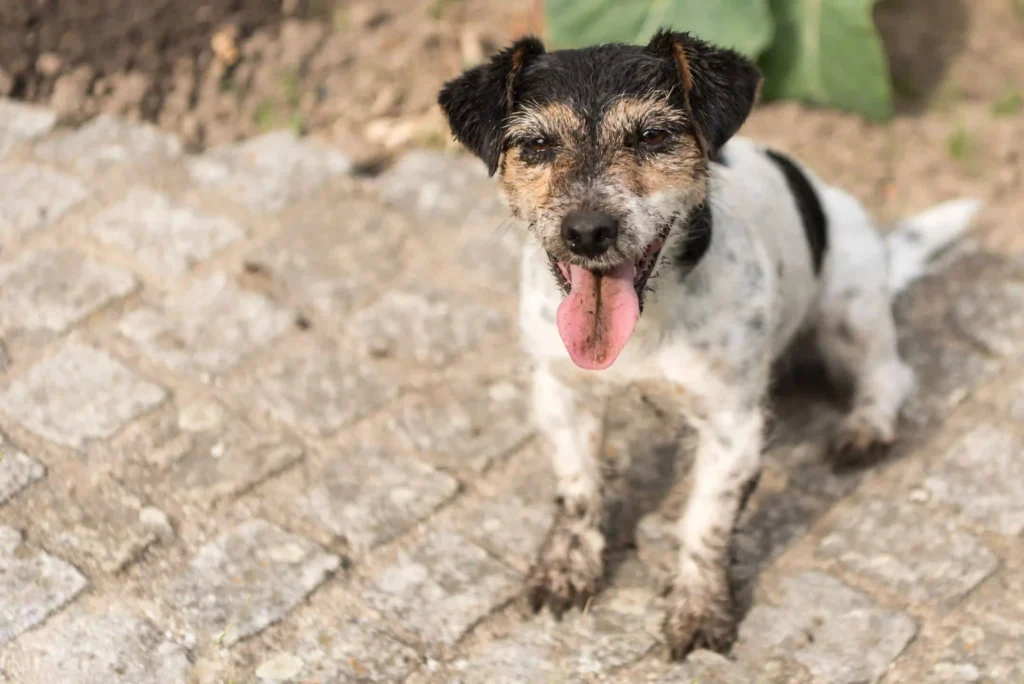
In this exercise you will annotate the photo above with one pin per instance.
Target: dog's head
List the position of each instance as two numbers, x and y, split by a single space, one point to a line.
602 151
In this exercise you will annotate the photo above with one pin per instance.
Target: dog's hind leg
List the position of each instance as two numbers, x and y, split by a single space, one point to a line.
856 332
570 565
857 339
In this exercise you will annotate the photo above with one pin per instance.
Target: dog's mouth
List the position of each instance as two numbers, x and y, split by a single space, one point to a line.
601 307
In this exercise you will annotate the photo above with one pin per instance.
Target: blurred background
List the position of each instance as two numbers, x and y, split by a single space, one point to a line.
365 74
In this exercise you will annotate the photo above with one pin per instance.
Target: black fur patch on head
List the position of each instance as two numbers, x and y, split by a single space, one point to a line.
719 86
478 102
715 87
808 204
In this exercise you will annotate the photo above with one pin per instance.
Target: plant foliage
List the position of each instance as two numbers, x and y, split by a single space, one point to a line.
826 52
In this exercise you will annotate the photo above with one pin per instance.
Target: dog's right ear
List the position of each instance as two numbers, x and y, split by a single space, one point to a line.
477 102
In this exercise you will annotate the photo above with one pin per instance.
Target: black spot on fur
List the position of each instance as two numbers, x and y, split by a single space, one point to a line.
696 240
807 202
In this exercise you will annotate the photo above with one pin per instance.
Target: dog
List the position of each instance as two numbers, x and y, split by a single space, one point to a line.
665 247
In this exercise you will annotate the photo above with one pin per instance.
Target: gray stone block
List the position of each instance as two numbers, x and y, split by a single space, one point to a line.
440 587
33 197
318 386
78 394
511 517
268 172
51 290
350 651
17 471
834 632
916 556
94 522
80 647
368 496
247 579
107 142
207 328
21 123
982 474
992 316
167 238
33 584
428 328
465 426
336 257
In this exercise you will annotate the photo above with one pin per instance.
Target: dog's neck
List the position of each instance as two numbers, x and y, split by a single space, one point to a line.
696 232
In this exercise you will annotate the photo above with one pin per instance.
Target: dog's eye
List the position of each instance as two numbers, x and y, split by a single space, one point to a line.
539 144
653 136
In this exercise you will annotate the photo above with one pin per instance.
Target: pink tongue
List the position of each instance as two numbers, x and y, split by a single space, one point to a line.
597 317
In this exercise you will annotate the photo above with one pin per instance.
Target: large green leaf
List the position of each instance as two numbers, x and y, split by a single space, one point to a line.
744 25
828 52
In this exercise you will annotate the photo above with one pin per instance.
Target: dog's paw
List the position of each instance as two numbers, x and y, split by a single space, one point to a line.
569 568
861 439
699 619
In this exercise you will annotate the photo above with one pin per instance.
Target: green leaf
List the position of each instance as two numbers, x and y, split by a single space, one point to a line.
828 52
744 25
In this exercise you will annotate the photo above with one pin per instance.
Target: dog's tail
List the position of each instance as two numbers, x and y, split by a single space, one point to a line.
914 241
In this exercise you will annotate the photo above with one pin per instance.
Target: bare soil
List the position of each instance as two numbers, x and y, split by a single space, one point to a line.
365 74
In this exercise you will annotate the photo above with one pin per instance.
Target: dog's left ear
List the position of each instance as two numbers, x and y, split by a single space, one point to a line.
477 102
720 86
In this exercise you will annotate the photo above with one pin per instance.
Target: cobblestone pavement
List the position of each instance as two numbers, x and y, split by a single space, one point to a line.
263 420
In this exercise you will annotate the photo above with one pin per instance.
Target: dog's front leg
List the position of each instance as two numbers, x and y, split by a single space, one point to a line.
700 612
570 417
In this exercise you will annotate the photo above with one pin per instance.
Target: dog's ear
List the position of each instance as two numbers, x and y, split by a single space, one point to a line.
719 86
477 102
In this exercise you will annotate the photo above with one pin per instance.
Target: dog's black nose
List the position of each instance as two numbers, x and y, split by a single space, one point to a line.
589 233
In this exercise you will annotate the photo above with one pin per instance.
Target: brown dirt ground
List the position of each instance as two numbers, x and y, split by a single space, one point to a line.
365 74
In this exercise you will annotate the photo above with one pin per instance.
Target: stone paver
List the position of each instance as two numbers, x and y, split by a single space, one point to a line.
451 187
17 471
207 328
268 172
196 450
441 587
326 347
617 629
21 123
834 632
912 555
318 386
33 197
107 142
336 255
471 228
246 580
166 238
51 290
369 496
512 516
465 426
33 584
109 645
78 394
700 667
429 328
346 650
982 475
95 522
992 316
